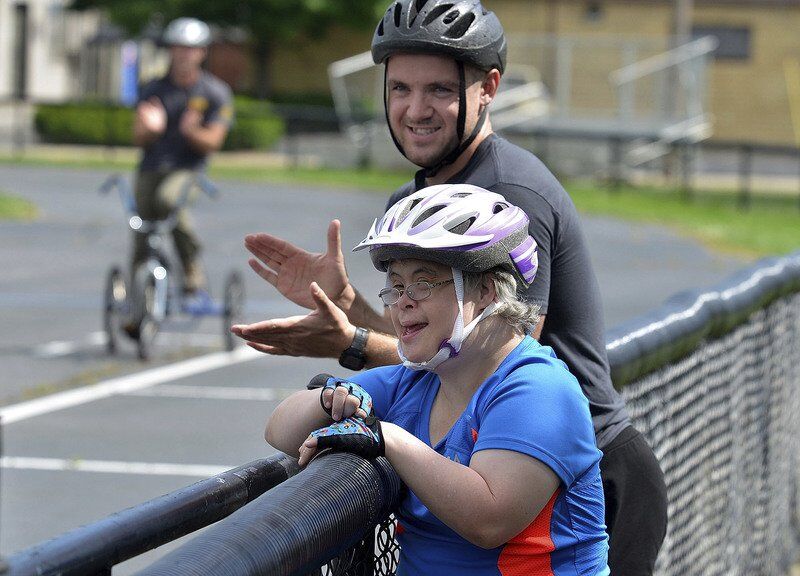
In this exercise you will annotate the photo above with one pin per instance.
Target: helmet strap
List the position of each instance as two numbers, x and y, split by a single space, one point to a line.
452 346
453 155
386 109
462 100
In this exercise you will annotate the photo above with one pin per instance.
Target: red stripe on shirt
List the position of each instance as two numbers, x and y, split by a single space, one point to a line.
528 553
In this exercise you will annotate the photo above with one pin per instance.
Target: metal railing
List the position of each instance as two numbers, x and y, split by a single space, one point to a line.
712 380
95 548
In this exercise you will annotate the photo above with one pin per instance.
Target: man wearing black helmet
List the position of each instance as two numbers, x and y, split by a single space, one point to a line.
444 62
180 119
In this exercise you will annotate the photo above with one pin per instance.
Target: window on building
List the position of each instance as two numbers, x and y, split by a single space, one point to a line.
734 43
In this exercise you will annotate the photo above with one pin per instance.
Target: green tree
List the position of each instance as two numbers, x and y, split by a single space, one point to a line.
268 22
135 16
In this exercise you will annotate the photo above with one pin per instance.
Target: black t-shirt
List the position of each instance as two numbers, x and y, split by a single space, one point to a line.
209 95
565 285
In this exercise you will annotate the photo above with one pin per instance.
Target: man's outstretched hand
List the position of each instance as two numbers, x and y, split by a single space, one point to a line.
152 116
291 269
323 333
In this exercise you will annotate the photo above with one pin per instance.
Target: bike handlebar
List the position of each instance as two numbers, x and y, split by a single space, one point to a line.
128 200
206 185
119 182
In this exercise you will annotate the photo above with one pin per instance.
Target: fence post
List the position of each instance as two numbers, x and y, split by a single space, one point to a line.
543 140
687 164
615 163
18 137
745 173
797 151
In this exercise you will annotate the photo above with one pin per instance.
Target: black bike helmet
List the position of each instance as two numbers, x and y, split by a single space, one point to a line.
462 29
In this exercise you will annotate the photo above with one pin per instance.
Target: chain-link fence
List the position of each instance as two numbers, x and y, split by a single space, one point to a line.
723 423
376 555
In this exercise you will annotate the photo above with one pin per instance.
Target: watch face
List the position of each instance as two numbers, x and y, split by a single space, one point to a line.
351 360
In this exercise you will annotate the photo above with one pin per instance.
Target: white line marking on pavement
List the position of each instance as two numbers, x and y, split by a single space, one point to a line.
66 347
125 384
112 467
215 392
58 348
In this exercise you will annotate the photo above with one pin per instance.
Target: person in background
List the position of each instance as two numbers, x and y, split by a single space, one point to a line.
180 120
443 66
486 427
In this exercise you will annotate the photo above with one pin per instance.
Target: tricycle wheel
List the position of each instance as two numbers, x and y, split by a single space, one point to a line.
145 314
234 308
115 301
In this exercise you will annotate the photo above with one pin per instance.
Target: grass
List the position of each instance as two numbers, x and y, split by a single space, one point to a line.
771 225
223 167
384 182
111 162
13 208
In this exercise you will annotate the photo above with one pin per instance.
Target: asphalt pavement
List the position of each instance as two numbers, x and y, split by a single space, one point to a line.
132 431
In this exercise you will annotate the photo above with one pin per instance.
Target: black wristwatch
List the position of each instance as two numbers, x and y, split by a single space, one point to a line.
354 357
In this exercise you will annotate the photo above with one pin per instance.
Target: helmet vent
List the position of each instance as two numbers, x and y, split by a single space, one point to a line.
398 8
499 208
426 214
418 6
463 226
380 29
435 13
407 210
451 17
461 26
414 204
461 195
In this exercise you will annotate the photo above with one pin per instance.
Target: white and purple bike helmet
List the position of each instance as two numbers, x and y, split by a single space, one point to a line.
462 226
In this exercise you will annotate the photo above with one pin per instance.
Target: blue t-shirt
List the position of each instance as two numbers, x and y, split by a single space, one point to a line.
532 405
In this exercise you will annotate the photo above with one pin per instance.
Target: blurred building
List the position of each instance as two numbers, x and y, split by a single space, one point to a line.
754 72
40 49
49 53
593 59
753 76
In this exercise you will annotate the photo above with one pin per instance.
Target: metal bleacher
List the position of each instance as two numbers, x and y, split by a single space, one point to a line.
644 95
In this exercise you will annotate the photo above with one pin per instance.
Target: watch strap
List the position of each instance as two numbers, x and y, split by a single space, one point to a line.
360 339
354 357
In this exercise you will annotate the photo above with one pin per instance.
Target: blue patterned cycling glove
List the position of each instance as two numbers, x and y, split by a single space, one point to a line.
355 435
331 383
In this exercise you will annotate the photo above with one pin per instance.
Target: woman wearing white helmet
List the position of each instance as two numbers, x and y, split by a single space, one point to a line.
488 429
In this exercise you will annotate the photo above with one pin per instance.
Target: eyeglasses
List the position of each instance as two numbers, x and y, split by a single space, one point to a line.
416 291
